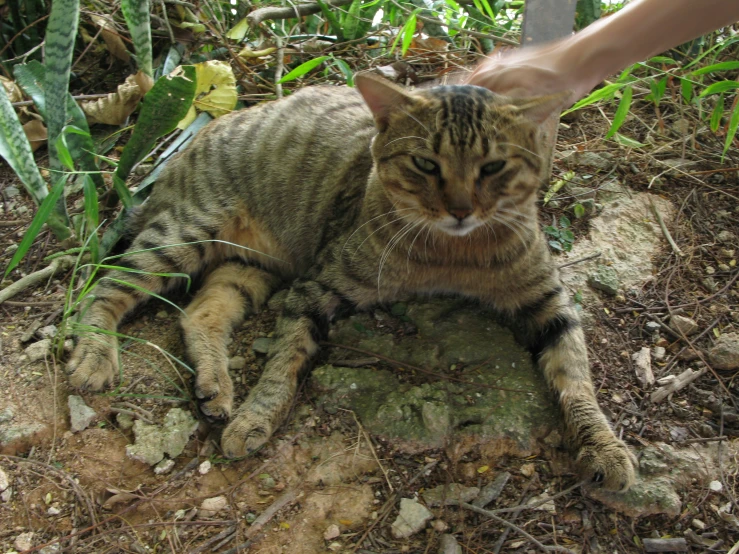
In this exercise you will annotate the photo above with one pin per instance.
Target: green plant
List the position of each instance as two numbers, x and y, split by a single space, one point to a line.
561 237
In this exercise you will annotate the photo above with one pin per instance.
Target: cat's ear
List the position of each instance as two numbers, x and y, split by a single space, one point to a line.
539 108
381 96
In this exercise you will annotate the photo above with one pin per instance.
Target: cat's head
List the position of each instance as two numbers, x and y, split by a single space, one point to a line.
460 157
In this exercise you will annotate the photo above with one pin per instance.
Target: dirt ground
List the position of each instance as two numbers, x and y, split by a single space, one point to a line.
322 484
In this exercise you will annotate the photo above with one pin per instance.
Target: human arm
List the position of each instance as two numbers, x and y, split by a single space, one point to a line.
579 62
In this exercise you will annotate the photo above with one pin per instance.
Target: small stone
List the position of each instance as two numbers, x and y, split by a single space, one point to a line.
6 495
725 352
652 326
710 270
204 467
68 347
237 362
451 494
449 545
332 532
604 279
527 470
261 345
715 486
4 481
724 267
38 350
48 332
698 524
12 192
726 236
211 506
683 324
24 541
53 511
162 314
643 367
125 421
7 415
439 525
163 467
659 353
51 549
80 414
335 546
412 518
153 441
547 506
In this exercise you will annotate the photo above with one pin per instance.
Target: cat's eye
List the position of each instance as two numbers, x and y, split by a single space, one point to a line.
427 166
492 168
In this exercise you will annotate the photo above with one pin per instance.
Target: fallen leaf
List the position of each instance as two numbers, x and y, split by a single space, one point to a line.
35 133
112 39
215 92
14 92
117 106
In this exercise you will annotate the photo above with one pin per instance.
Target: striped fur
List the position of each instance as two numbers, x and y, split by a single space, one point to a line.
432 192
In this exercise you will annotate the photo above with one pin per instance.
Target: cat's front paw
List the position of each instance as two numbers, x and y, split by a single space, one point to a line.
215 390
246 434
94 363
609 463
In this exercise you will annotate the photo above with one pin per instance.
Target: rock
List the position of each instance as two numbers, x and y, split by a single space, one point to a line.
652 326
12 192
659 353
163 467
19 433
683 324
163 314
715 486
415 417
449 545
261 345
24 541
588 159
439 525
527 470
727 237
80 414
48 332
643 367
211 506
4 481
644 498
51 549
6 495
449 495
124 421
491 491
547 505
38 350
31 331
412 518
153 441
332 532
53 511
237 362
725 352
605 279
7 415
204 467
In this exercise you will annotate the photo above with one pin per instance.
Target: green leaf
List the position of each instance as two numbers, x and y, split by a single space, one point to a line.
621 112
662 59
716 88
686 89
137 17
303 68
551 231
92 217
732 129
163 107
723 66
408 31
556 245
564 222
332 21
606 92
43 213
579 210
629 142
586 12
567 235
346 70
351 21
63 152
718 112
488 10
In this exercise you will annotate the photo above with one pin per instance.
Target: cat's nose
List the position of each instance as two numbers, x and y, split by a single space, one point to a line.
460 213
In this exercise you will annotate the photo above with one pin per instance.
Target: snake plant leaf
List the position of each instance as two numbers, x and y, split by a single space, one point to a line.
137 17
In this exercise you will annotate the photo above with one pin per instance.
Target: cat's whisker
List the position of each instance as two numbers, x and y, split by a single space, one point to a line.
397 239
404 138
408 261
514 229
373 232
391 211
414 118
514 145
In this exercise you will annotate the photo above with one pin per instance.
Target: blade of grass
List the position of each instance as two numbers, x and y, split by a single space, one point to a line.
732 128
303 68
621 112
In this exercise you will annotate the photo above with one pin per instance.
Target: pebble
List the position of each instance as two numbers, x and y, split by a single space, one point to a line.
164 314
527 470
204 467
698 524
237 362
449 545
725 352
261 345
726 236
38 350
48 332
412 518
652 326
716 486
80 414
6 495
125 421
439 525
12 192
165 466
332 532
659 353
211 506
683 324
24 541
4 481
53 511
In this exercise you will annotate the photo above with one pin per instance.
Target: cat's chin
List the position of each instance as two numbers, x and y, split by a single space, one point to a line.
458 229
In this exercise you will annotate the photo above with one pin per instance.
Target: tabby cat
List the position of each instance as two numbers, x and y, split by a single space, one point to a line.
355 197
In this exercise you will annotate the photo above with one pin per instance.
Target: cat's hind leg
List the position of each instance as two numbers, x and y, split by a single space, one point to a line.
308 309
230 292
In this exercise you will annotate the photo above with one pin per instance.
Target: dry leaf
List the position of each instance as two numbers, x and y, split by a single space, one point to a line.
215 92
427 47
113 41
13 90
117 106
35 133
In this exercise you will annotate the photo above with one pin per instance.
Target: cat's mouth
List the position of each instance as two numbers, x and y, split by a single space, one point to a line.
456 228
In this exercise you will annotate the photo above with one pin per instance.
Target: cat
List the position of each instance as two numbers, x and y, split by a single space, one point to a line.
353 196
